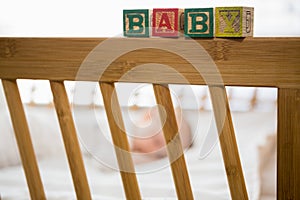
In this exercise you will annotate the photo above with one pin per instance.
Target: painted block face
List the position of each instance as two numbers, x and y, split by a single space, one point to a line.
234 21
165 22
199 22
136 23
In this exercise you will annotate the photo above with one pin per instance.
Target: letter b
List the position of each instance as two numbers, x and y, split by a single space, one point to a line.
199 22
136 23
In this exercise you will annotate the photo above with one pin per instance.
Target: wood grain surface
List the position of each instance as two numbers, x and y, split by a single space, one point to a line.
70 139
173 142
288 148
120 140
228 143
242 62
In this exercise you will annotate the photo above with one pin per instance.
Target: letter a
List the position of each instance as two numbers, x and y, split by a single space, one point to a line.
165 22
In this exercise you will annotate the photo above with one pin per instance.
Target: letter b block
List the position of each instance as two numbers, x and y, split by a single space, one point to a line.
136 23
234 21
199 22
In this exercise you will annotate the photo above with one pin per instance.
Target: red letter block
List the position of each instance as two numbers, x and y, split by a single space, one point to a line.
166 22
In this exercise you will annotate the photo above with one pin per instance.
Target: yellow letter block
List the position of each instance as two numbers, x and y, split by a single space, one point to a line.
234 21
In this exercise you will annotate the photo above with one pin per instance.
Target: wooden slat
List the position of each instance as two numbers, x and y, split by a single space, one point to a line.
228 143
70 140
174 146
247 62
288 144
119 137
24 142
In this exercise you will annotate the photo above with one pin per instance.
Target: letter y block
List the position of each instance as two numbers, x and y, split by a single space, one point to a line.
234 21
136 23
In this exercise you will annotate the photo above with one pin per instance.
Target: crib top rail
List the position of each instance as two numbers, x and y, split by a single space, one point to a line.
254 61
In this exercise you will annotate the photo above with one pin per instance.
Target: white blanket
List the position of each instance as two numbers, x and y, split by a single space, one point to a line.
208 178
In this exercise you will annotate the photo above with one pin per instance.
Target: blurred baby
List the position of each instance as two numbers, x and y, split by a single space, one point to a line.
149 138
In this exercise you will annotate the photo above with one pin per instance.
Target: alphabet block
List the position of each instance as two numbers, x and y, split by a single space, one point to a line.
199 22
234 21
136 23
166 22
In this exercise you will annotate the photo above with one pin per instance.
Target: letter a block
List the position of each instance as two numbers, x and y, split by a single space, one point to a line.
136 23
199 22
234 21
166 22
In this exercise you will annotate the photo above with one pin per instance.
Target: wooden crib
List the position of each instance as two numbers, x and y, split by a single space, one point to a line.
266 62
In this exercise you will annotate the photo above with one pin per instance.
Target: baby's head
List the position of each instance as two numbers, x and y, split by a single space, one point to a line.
152 141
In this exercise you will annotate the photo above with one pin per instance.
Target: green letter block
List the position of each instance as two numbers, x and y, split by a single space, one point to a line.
199 22
136 23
